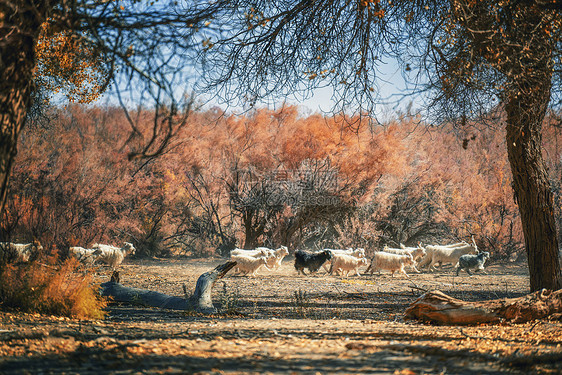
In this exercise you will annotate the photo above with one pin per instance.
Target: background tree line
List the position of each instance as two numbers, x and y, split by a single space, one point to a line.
266 178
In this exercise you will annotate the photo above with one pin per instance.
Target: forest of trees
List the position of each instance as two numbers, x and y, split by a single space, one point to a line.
462 58
266 178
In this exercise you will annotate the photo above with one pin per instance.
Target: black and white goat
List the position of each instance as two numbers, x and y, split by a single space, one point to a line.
471 261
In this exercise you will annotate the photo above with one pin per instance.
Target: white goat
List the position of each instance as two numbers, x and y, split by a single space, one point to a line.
248 264
390 262
19 252
416 253
429 249
279 254
112 255
260 252
357 253
446 254
345 263
85 256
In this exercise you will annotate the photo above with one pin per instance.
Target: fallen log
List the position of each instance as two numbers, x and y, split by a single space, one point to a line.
437 307
200 300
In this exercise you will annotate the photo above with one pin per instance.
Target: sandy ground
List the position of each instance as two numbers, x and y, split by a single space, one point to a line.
279 322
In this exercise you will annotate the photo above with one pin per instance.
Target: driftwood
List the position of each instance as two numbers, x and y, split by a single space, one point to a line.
200 300
438 307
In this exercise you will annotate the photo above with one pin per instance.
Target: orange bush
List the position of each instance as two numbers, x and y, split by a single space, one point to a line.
50 288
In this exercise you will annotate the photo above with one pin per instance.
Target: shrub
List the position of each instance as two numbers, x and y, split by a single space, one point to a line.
46 287
301 303
229 300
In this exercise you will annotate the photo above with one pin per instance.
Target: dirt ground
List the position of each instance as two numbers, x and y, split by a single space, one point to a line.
280 322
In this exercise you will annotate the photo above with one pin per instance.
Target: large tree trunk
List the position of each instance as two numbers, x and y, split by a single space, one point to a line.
522 53
526 101
20 23
437 307
525 114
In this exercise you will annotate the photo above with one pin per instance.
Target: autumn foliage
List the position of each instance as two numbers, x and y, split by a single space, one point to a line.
265 178
69 65
50 287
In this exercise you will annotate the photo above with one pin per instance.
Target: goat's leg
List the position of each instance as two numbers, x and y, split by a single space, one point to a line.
431 267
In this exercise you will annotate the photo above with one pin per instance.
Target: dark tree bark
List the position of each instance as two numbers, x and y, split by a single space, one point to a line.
20 23
532 191
254 226
519 52
526 103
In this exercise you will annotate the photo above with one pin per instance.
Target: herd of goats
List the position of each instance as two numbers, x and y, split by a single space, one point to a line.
463 255
108 254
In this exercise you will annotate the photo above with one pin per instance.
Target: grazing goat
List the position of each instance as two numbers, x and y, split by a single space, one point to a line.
248 264
312 261
415 252
278 255
344 263
390 262
84 256
19 252
112 255
357 253
468 261
443 255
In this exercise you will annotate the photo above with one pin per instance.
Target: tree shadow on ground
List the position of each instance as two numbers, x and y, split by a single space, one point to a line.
384 360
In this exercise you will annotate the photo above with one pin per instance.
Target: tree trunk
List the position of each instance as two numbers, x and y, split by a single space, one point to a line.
252 229
20 23
438 307
200 300
525 114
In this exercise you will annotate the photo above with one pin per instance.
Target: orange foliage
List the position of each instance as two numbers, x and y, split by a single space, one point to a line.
231 180
470 182
283 150
46 287
67 64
